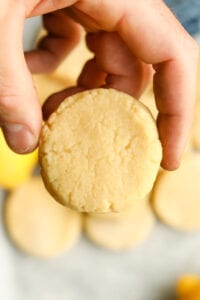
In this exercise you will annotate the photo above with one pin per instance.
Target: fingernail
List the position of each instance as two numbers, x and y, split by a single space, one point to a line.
19 138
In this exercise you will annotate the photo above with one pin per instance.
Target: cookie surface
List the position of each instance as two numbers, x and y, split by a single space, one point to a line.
99 151
123 215
120 234
175 196
37 224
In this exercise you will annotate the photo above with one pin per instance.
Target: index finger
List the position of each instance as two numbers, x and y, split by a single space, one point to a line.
173 54
155 36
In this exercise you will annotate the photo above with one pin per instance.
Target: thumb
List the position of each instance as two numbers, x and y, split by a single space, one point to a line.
20 112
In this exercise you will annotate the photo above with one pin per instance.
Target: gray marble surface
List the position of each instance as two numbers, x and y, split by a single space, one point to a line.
148 272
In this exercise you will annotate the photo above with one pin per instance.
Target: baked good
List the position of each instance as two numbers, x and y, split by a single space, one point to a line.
175 196
37 224
99 151
123 233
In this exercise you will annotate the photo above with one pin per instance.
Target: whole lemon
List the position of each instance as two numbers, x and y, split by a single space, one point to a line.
188 287
14 168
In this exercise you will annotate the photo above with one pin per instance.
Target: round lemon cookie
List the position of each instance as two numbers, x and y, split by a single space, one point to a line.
117 234
175 196
37 224
122 215
99 151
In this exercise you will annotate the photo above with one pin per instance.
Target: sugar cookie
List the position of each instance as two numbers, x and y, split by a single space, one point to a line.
112 233
99 151
122 215
37 224
176 195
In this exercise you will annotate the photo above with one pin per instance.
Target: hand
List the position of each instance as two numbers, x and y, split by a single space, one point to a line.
129 40
20 111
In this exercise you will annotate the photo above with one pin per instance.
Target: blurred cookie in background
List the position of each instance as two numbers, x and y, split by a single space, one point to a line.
176 195
37 224
120 231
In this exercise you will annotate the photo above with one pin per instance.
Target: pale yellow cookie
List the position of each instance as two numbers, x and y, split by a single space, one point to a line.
188 287
37 224
176 195
120 234
99 152
122 215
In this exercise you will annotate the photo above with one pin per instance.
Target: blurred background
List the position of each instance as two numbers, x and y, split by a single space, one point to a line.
148 271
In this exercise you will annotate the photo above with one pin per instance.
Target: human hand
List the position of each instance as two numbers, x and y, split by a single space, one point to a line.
20 111
128 39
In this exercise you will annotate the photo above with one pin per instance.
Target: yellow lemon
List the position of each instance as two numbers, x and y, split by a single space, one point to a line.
188 287
14 168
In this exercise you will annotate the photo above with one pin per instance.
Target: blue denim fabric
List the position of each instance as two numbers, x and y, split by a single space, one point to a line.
188 12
